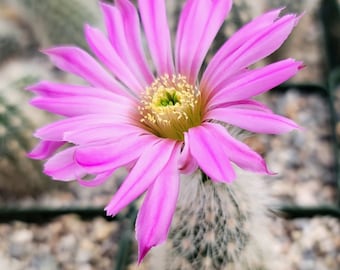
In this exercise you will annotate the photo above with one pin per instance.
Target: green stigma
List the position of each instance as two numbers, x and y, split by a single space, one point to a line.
170 99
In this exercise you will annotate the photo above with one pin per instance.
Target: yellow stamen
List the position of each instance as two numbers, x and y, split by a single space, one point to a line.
170 106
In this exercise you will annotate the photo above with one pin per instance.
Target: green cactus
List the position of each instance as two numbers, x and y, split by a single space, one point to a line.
62 20
217 227
29 25
19 175
216 234
53 22
9 46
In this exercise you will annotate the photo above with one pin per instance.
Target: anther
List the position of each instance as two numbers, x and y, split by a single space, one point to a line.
170 106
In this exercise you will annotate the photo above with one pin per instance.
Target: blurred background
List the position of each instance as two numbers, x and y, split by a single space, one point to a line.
43 223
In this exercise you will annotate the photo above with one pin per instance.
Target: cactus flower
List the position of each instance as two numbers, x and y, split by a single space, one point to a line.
161 119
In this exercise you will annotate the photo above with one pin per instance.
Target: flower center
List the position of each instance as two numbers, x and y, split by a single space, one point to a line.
170 106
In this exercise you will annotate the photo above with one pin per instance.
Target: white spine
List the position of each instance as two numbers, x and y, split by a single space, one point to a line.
219 226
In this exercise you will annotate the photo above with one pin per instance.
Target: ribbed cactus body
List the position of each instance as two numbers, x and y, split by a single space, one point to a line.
52 22
8 47
25 27
18 175
62 20
217 227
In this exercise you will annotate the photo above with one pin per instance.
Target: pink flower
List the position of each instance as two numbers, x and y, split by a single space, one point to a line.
164 123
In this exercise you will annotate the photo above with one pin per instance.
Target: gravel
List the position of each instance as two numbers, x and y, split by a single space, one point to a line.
304 159
64 243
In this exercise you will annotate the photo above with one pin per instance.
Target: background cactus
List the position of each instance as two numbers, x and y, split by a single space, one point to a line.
18 175
25 27
52 21
62 20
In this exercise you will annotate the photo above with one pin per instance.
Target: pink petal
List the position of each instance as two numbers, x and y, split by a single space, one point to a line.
122 23
255 46
148 167
256 82
237 40
63 167
98 158
98 180
187 164
101 133
105 52
55 131
57 90
199 23
157 33
209 154
238 152
155 216
77 61
244 104
76 106
44 149
253 120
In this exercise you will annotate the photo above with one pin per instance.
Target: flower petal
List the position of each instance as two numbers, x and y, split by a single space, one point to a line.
98 158
237 40
56 130
76 106
199 23
148 167
123 26
255 45
209 155
238 152
157 33
63 167
245 104
57 90
98 180
101 133
155 216
256 82
253 120
44 149
187 164
77 61
105 52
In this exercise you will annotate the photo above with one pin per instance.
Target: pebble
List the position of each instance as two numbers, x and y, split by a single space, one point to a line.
43 262
101 231
87 250
22 236
19 243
